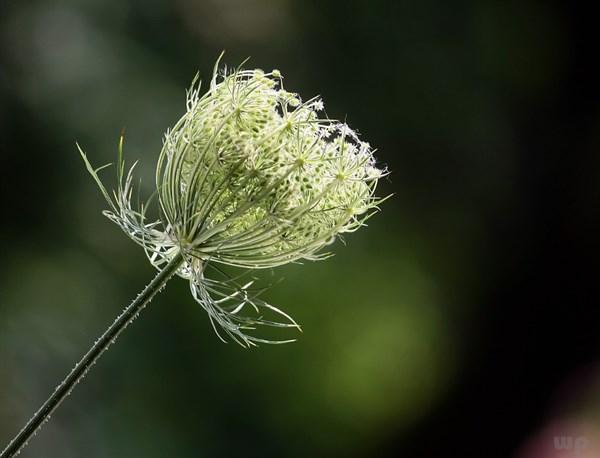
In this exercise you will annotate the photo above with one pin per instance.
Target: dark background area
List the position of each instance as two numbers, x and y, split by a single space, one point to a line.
463 321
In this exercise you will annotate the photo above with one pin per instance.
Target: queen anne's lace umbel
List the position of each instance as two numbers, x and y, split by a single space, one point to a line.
253 177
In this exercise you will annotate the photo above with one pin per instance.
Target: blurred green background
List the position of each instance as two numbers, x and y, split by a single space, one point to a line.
444 326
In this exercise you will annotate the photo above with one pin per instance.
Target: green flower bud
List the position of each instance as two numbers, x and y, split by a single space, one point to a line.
252 177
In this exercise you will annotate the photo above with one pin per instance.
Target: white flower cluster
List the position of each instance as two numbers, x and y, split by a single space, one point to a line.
251 176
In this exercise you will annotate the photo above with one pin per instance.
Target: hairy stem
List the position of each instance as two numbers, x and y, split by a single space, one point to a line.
88 360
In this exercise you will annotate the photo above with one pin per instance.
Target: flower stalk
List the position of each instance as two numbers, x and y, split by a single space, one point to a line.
65 387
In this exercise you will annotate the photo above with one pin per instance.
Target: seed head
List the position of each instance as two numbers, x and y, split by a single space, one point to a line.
251 176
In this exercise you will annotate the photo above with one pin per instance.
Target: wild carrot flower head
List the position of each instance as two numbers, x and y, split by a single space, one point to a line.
250 176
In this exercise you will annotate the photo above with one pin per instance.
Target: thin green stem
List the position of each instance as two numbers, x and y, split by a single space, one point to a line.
100 346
